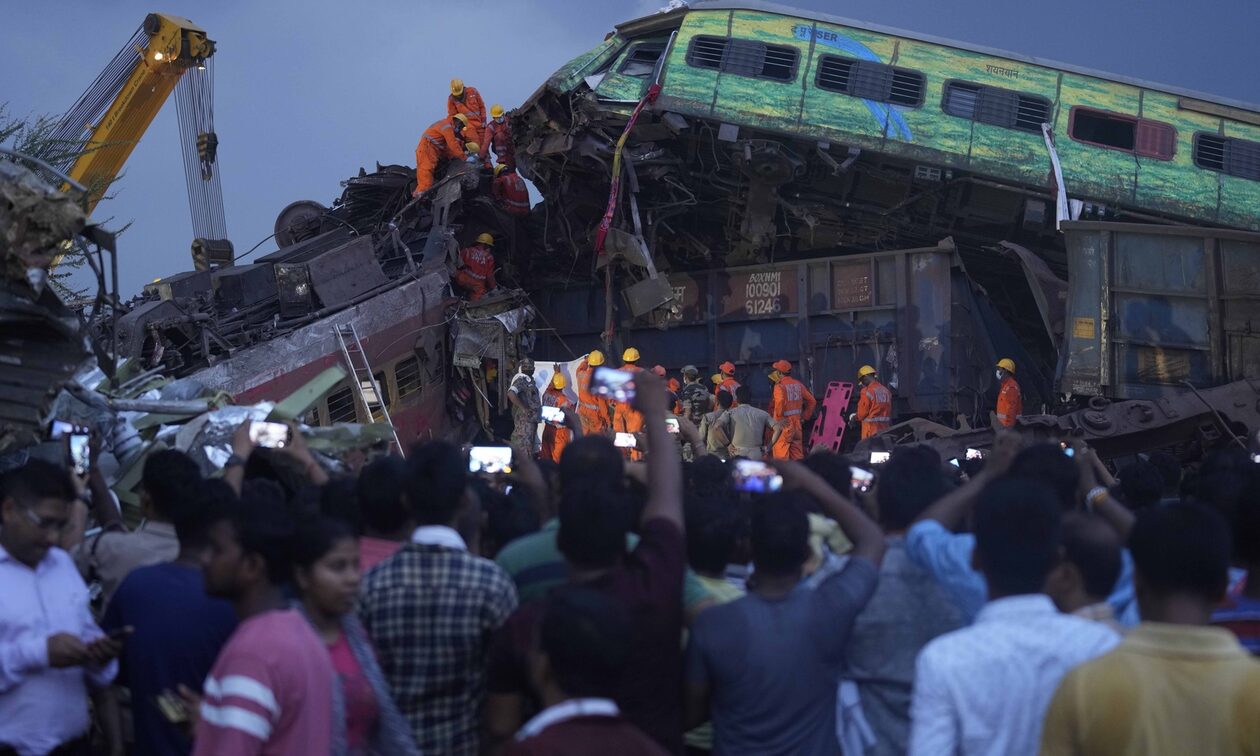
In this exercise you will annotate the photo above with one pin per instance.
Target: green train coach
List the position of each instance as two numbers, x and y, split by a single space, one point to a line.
1130 144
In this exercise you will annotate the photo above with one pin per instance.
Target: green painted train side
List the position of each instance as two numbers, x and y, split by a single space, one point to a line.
927 134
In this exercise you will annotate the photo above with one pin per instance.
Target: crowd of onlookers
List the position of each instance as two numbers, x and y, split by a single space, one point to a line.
1027 602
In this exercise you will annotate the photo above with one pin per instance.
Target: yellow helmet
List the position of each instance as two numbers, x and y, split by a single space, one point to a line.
485 238
472 148
717 379
496 111
1007 364
457 87
630 355
462 119
595 358
499 169
557 381
865 370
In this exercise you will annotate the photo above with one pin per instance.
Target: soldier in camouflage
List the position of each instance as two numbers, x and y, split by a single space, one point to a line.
695 400
526 408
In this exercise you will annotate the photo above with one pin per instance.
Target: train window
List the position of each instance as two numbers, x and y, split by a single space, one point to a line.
407 377
341 406
870 80
1233 157
743 57
996 107
1123 132
642 59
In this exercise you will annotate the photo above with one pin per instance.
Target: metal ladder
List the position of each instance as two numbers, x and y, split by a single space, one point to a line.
361 377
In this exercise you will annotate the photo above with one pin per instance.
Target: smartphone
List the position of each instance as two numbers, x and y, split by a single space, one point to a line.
955 462
613 383
269 435
860 479
80 455
879 458
625 441
553 414
60 428
171 707
1067 450
754 476
491 460
671 424
975 454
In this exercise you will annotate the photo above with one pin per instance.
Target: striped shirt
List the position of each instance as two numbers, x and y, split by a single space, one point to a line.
1241 616
269 692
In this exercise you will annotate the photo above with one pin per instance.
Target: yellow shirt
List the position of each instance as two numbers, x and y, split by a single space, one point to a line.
1166 689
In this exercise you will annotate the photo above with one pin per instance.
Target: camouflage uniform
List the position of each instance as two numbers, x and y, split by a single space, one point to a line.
525 419
695 401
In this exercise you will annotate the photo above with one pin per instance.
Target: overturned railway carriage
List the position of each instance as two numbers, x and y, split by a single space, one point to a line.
812 145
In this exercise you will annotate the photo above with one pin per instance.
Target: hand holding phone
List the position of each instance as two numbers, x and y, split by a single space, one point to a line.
755 476
625 441
269 435
552 414
613 383
490 460
860 479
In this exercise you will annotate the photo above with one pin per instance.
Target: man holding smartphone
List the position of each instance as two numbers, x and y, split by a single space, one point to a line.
526 408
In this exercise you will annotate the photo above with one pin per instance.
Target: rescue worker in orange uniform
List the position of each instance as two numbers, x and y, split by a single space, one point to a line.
440 142
472 150
874 408
476 270
790 406
592 410
1010 401
625 418
467 101
555 435
498 134
510 192
728 382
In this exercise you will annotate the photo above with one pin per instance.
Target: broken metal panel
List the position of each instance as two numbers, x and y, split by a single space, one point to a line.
328 278
181 285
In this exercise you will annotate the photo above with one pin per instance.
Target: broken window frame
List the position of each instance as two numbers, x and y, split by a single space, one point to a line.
862 80
350 401
1239 158
636 47
735 54
1023 102
1144 130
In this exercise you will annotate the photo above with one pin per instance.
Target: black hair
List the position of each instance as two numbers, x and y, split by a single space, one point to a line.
169 478
1141 485
435 482
591 457
743 394
37 479
595 516
1246 525
264 527
585 636
714 526
209 503
1169 468
1051 469
315 538
780 534
910 481
707 476
1222 480
1017 526
1182 549
380 494
508 516
1094 547
339 498
724 399
832 468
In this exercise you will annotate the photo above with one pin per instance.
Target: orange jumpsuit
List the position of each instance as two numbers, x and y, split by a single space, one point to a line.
499 135
728 384
627 419
874 409
790 406
438 144
474 107
592 409
1010 403
510 192
555 436
476 272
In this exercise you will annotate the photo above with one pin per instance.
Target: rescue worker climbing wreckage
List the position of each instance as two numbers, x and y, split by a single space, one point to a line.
526 408
725 380
499 136
592 409
509 192
466 101
440 142
790 405
476 268
1010 401
625 418
556 435
874 408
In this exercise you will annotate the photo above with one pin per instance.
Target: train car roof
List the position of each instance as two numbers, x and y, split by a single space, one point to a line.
665 19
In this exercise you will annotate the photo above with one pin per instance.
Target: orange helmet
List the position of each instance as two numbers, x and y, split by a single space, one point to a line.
657 369
783 366
727 367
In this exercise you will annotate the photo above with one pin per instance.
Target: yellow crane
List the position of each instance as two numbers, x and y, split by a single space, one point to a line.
166 54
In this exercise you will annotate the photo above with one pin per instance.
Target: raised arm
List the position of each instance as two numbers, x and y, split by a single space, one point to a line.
950 509
867 538
664 464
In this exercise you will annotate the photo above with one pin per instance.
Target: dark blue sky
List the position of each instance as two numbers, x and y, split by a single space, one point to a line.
307 92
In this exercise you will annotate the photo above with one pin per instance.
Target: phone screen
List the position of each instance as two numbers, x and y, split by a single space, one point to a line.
553 414
861 479
671 424
613 383
269 435
625 441
60 428
954 462
878 458
754 476
975 454
80 455
492 460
